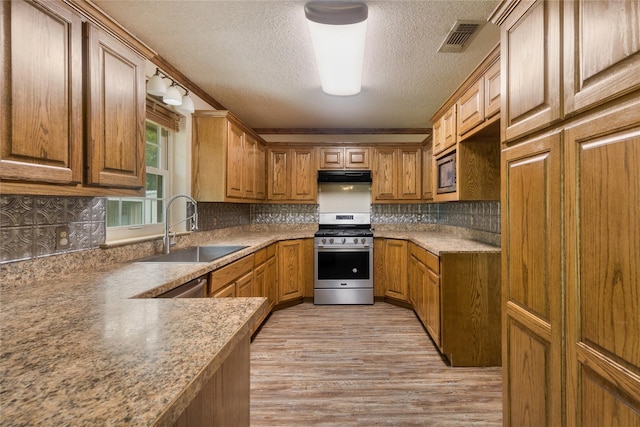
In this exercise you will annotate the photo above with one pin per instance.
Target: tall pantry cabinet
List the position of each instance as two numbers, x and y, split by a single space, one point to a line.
570 212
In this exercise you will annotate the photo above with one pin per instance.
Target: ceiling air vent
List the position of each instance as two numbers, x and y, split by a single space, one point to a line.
460 35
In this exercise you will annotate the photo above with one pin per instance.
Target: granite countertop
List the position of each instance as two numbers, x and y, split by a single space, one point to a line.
96 348
438 242
92 349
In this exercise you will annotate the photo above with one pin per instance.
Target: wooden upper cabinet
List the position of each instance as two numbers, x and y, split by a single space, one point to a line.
600 63
292 174
471 107
428 179
115 112
492 91
41 92
343 158
228 159
449 128
397 174
531 59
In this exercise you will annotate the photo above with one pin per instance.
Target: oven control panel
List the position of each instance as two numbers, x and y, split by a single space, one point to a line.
343 242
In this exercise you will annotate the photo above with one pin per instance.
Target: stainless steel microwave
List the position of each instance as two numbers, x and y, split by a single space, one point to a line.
446 169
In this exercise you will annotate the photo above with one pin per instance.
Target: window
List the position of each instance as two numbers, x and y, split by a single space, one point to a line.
129 217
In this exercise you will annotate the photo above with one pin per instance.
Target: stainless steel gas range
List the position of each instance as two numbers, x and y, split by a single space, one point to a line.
343 259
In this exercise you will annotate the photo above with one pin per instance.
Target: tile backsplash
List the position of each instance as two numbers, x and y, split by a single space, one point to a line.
28 223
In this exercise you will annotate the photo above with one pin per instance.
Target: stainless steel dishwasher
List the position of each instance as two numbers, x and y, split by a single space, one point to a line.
192 289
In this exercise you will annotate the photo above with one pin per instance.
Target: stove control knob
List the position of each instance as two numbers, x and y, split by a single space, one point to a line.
343 240
324 241
362 240
355 240
331 240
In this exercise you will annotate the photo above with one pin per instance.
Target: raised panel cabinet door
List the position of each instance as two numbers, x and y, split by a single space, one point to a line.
357 158
427 172
271 283
395 259
492 91
410 178
303 174
471 107
250 167
244 286
438 136
385 181
331 158
530 55
291 270
432 306
279 187
449 128
235 161
602 218
532 286
599 63
115 143
41 92
261 172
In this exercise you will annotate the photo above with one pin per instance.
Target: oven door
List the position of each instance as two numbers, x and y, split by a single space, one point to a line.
343 268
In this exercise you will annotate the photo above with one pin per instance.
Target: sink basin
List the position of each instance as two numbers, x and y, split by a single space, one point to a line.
195 254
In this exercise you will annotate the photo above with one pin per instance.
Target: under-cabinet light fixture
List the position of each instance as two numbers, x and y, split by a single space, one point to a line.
338 33
170 95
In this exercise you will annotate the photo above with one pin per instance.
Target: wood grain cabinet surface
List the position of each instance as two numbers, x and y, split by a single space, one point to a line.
292 174
570 224
395 269
344 158
396 174
65 74
295 269
241 176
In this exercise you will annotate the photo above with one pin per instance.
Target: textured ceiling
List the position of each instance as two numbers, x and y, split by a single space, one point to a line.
256 59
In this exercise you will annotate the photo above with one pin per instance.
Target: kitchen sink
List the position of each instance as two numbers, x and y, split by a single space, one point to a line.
195 254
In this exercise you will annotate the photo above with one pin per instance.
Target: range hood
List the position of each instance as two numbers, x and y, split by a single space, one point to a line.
344 176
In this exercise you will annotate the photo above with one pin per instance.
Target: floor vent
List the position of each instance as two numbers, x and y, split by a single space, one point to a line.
461 33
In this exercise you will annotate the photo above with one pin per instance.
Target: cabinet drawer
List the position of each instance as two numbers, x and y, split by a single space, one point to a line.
433 262
228 291
221 277
260 257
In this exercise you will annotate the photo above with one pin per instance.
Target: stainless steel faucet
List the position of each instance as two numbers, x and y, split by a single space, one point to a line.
166 240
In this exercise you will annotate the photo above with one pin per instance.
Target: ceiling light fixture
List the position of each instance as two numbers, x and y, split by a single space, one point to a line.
170 95
338 32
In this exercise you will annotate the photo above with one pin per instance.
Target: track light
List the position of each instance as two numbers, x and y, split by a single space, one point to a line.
170 95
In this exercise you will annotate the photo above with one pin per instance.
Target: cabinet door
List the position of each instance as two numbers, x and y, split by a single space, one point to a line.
417 282
115 112
449 128
331 158
532 283
41 92
471 107
228 291
600 63
250 169
271 281
395 258
602 220
279 172
303 174
530 54
432 306
409 177
356 158
291 270
384 174
438 136
492 91
427 172
235 161
261 171
244 286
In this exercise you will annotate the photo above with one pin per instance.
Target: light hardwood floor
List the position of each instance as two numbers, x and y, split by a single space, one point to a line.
362 366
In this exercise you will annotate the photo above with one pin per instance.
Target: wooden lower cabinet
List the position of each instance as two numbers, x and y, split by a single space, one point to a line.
295 269
457 298
395 269
265 279
232 279
224 398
